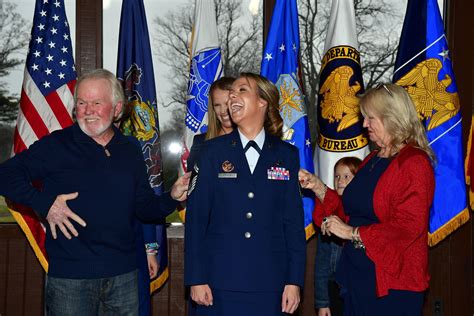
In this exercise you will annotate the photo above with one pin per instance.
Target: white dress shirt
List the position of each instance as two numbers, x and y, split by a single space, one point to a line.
252 155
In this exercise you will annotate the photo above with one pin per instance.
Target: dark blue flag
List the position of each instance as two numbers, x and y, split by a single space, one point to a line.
424 69
280 64
135 70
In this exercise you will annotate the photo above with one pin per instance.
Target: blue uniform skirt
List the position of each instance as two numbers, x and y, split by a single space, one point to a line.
230 303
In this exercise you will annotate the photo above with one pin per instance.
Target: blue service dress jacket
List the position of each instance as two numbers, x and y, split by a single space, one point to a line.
198 141
244 231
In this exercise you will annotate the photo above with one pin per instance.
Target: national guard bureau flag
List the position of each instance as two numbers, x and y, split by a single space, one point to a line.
46 102
135 71
280 65
423 67
340 127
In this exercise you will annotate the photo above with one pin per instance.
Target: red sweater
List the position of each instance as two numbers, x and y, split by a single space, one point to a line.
398 244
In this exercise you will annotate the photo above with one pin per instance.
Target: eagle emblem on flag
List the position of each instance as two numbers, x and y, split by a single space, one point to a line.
340 103
429 94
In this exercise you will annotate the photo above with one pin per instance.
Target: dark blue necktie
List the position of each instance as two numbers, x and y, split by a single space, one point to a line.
254 145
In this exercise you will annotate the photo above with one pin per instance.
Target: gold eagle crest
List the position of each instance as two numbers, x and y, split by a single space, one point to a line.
340 103
429 94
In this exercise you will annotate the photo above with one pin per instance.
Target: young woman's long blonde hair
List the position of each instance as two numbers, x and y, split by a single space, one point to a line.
214 126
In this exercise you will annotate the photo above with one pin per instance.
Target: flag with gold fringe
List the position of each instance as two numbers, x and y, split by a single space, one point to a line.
423 67
46 102
135 71
280 64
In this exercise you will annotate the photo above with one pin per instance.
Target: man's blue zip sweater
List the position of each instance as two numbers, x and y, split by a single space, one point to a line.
113 189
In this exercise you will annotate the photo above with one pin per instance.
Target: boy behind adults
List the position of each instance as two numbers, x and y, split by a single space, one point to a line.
90 173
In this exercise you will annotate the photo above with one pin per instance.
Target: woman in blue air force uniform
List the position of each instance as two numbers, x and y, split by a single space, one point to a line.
245 248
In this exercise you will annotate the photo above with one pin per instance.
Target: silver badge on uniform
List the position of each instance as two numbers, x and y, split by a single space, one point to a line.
231 175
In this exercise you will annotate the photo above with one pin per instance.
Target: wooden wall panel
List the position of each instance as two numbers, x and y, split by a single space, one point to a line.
177 303
3 269
460 37
88 35
22 278
34 283
307 300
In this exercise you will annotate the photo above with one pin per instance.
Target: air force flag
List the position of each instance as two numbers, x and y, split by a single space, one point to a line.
280 65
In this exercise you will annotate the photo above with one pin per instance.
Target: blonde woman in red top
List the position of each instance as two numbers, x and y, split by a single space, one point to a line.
383 213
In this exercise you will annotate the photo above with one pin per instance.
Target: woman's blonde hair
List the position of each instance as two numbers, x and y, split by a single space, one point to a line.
392 104
266 90
214 126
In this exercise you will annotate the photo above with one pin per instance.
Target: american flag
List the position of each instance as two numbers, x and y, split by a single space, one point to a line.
46 97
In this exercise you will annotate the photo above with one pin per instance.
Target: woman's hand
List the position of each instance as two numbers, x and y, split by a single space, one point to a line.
312 182
202 294
290 299
334 225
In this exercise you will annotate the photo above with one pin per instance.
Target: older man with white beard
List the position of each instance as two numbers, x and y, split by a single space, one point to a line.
90 173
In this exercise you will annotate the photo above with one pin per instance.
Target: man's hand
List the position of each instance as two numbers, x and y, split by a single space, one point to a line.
180 187
152 265
59 215
202 294
290 299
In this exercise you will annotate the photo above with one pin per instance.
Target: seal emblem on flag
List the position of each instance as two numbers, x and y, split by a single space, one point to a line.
429 94
339 101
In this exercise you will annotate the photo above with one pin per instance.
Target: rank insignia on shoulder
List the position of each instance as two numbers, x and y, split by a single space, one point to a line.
278 173
193 181
227 166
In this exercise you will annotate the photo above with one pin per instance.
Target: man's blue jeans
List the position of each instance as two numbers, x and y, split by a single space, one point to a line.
116 295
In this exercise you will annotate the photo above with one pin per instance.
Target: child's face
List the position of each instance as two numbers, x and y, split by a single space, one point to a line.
342 177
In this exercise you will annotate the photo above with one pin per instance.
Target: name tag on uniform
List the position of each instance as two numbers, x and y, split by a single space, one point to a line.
230 175
278 173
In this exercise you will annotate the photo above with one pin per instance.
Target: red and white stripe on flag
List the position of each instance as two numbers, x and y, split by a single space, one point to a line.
46 102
